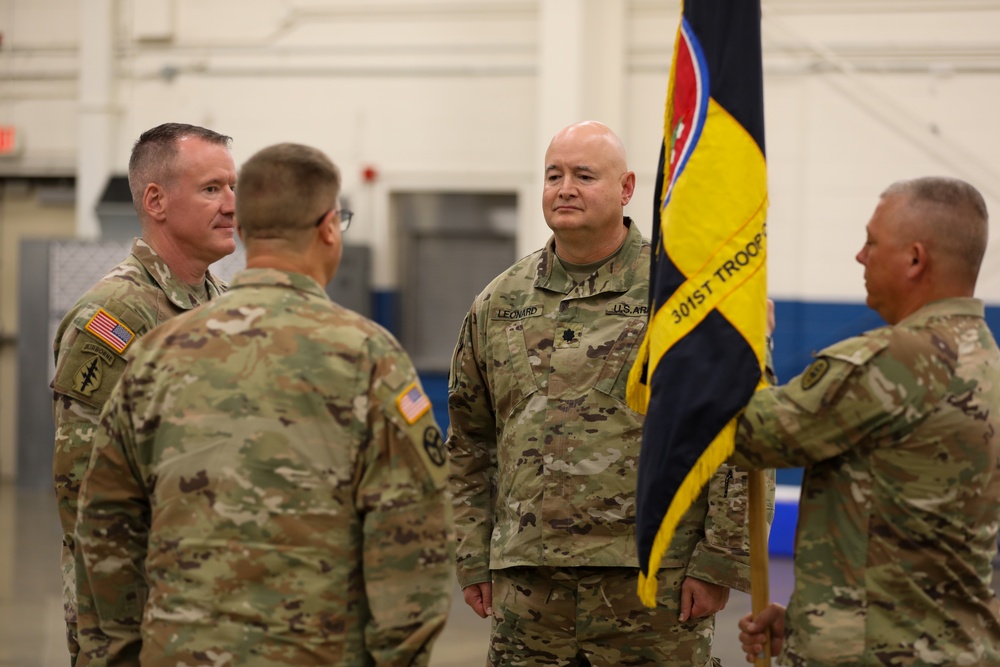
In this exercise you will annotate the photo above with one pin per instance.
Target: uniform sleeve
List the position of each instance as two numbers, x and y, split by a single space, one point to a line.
86 371
75 427
112 533
843 397
723 555
408 540
472 446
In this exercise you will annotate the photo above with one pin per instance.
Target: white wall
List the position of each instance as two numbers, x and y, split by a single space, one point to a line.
857 95
444 94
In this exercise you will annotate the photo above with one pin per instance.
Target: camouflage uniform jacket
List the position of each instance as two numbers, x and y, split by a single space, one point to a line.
134 297
544 449
271 464
897 430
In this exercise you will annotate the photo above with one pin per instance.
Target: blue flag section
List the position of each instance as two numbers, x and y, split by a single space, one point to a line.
704 351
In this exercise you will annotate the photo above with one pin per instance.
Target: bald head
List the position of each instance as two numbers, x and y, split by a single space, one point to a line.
595 134
587 185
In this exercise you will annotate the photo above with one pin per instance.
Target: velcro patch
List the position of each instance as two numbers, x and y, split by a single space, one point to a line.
434 446
102 352
413 403
511 314
568 336
814 373
627 308
88 377
110 330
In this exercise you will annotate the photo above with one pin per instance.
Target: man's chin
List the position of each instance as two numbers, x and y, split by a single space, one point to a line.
565 223
224 247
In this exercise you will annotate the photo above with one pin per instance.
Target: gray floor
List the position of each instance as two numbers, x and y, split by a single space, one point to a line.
31 629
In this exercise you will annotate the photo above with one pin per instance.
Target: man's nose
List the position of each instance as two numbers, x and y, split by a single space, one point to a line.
567 188
229 201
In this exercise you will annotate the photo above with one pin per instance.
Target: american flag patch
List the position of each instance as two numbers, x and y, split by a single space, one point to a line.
111 331
413 403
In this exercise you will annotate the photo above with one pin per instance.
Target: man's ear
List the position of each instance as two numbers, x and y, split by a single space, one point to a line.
327 233
154 202
918 260
628 186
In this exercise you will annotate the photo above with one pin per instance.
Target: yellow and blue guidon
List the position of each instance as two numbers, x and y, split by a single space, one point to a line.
704 351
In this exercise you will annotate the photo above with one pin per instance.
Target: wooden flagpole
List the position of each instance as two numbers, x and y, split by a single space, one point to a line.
759 586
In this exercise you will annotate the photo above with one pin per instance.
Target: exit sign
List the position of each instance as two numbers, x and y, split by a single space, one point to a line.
10 141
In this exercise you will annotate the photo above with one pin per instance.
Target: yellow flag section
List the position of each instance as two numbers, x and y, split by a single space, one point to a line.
704 351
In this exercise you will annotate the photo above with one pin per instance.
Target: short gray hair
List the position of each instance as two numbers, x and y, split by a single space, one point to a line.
953 216
154 152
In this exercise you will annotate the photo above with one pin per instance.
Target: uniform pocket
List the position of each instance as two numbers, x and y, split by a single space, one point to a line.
515 379
613 377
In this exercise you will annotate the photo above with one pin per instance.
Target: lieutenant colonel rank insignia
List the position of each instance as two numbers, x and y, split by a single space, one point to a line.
110 330
413 403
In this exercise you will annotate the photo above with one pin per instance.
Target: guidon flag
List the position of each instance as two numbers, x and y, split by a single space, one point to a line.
704 351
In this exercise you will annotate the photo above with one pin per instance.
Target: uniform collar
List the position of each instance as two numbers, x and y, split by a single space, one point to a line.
617 275
277 278
962 306
179 293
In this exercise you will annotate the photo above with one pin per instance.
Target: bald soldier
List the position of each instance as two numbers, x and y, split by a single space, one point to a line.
898 432
269 485
545 450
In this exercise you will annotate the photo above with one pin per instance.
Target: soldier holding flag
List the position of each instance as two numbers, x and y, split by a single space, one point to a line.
897 431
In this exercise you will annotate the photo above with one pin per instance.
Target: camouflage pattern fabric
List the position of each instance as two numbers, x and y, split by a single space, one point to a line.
897 430
544 449
588 616
271 464
136 295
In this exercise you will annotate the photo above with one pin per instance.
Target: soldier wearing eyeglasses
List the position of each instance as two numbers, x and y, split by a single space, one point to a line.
269 481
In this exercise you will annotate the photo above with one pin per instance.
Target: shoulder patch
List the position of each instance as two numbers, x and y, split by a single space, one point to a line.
413 403
100 351
110 330
88 377
434 446
814 373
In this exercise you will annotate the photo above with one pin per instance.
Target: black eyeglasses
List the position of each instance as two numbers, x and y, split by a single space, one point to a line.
345 218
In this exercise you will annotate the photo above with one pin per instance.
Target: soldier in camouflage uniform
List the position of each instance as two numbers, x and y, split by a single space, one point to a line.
897 431
544 449
182 179
272 465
